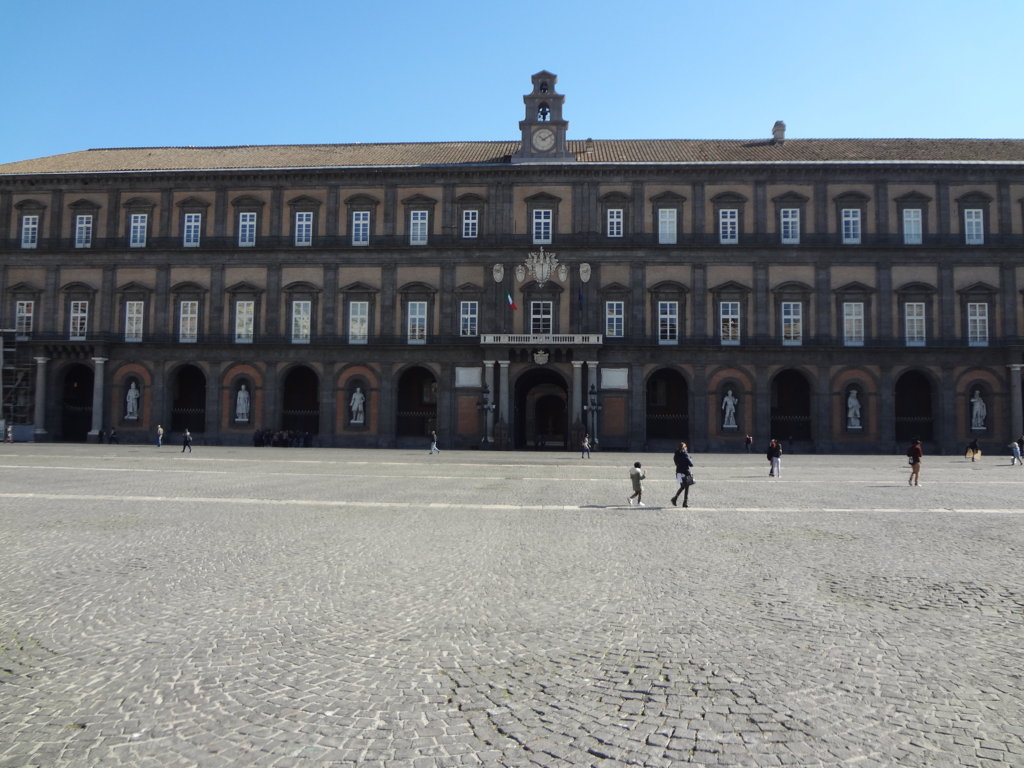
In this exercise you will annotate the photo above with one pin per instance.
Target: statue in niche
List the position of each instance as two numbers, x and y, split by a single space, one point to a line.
131 402
979 411
242 402
729 409
853 410
357 406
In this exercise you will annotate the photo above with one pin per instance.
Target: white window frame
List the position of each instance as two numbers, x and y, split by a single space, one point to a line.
977 323
30 230
193 232
728 226
245 321
851 226
913 226
542 317
792 323
789 226
853 323
416 322
668 322
302 321
469 318
615 319
134 320
419 222
247 221
303 228
138 230
24 312
78 320
542 222
188 321
83 230
613 222
974 226
358 322
470 224
729 323
668 226
360 227
915 329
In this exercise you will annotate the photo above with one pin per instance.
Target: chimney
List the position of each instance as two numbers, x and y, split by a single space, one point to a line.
778 132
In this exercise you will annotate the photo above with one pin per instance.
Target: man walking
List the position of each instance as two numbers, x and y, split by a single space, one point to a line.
586 447
433 443
186 441
683 475
774 455
159 435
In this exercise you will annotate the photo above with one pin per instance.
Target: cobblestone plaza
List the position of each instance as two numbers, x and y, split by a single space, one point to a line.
304 607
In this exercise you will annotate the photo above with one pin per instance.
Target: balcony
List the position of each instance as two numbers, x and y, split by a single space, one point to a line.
521 339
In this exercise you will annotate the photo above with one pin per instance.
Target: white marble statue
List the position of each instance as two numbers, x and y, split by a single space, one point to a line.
729 409
853 410
242 402
131 402
357 405
978 410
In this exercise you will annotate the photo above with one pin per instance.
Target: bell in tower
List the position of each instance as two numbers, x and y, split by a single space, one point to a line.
543 128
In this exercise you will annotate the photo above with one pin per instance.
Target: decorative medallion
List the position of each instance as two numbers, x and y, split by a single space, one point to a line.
498 271
585 272
520 273
540 356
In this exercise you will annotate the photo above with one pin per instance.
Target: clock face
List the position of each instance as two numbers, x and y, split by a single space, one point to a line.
544 139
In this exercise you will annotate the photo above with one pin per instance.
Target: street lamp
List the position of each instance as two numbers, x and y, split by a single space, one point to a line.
487 408
594 408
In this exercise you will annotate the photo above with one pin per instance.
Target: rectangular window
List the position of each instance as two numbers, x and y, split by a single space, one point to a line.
792 323
974 230
245 321
668 322
193 230
303 227
728 226
541 317
470 224
418 227
302 321
23 313
614 223
416 332
247 229
729 322
912 227
977 324
188 322
789 219
913 323
360 227
83 231
79 320
615 319
468 318
853 323
667 231
358 322
542 219
138 223
133 320
851 226
29 231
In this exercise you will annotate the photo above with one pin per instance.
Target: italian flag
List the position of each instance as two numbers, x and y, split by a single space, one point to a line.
511 303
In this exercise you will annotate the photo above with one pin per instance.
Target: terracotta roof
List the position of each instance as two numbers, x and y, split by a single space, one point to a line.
490 152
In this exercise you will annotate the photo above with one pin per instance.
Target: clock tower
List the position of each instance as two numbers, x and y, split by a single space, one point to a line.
543 129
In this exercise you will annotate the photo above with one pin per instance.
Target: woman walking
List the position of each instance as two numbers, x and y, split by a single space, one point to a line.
684 477
915 453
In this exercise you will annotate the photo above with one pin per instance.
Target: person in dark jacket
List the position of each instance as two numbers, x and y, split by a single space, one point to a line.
683 475
774 455
915 453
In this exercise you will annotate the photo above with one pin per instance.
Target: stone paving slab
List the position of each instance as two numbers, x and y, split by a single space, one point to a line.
294 607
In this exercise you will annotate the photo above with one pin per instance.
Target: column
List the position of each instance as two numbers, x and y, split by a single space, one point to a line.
489 415
40 411
503 390
576 400
1016 416
596 414
97 396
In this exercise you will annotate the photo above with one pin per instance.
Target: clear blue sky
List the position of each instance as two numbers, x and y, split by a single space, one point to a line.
109 73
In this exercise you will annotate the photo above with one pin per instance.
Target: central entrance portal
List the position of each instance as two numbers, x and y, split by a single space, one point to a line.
541 410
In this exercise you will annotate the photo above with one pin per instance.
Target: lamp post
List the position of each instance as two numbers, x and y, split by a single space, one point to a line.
594 408
487 408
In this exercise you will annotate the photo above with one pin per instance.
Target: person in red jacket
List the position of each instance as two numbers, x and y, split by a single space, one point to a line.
915 454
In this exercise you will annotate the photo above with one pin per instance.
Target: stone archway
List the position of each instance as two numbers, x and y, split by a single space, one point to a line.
667 407
791 407
914 413
416 406
188 400
76 404
541 410
300 401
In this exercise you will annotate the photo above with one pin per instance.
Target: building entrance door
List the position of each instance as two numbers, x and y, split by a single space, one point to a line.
76 404
541 410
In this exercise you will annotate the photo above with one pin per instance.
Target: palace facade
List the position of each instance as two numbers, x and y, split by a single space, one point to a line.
843 295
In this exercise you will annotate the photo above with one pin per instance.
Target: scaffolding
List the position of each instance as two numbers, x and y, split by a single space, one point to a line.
16 371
